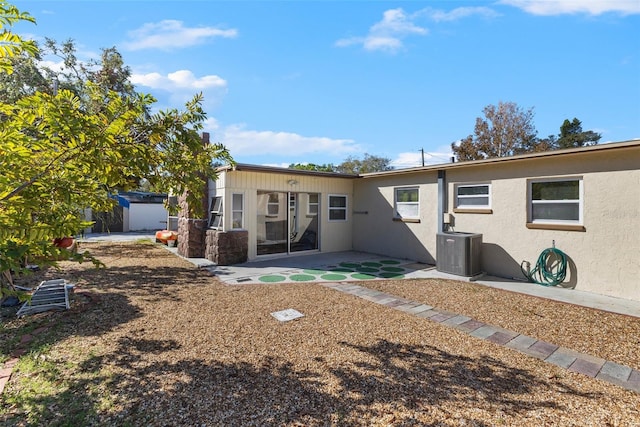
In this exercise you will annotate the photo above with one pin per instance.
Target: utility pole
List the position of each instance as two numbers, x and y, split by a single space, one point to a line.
422 151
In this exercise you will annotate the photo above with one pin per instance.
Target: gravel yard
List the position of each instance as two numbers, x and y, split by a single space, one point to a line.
167 344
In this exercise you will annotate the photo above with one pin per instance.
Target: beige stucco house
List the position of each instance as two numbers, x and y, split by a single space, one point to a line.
284 211
584 201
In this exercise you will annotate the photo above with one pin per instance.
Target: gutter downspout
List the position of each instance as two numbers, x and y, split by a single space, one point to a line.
442 198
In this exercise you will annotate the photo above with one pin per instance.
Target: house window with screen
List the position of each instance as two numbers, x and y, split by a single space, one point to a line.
407 203
215 219
237 211
473 196
555 201
337 207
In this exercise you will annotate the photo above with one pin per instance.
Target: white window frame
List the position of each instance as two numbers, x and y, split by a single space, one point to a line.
310 204
457 187
271 204
397 204
216 212
335 208
579 202
234 210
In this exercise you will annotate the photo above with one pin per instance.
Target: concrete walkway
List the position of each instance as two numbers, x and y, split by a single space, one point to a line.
130 236
294 266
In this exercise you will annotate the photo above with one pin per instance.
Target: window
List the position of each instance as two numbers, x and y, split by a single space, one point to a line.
273 205
337 207
215 220
407 203
473 196
555 201
312 204
237 211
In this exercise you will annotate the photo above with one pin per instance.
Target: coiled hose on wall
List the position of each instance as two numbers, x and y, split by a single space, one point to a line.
549 270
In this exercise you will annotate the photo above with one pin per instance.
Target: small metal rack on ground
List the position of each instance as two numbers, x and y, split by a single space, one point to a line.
49 295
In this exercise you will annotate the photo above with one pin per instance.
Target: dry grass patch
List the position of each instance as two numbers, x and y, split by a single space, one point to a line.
170 345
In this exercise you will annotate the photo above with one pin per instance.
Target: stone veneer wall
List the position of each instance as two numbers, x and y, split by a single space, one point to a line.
191 237
227 247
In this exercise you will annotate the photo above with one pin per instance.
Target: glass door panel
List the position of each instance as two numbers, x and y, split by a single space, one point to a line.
287 222
305 214
272 221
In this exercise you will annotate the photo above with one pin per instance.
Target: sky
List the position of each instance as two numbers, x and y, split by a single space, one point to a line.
320 81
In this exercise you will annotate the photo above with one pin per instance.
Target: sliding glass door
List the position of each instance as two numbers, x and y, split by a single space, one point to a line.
287 222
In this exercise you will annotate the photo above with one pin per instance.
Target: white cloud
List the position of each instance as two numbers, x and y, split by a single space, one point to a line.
390 44
244 142
56 66
182 85
387 35
396 25
211 125
171 34
458 13
591 7
178 81
396 22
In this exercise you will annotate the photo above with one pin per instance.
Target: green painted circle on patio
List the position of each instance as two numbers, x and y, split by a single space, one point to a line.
367 270
302 277
389 261
272 278
330 276
316 272
388 275
392 269
372 264
350 264
363 276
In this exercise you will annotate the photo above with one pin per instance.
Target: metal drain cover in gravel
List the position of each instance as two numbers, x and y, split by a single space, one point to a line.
286 315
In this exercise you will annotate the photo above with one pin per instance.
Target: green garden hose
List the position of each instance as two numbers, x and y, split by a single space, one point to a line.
550 269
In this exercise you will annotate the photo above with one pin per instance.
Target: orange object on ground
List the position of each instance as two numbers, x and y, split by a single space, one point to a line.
63 242
164 235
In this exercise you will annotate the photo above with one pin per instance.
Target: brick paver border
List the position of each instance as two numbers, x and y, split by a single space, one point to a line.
573 361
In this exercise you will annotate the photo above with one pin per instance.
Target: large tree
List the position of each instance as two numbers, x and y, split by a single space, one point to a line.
505 130
66 151
572 135
369 163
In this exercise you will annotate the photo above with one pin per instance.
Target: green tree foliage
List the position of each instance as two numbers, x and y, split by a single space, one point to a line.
506 130
26 79
313 167
64 152
12 44
571 136
369 163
